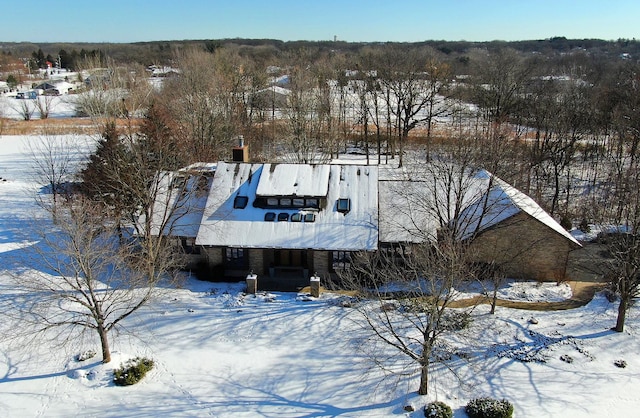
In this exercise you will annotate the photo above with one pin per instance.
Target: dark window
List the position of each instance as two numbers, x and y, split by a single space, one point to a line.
235 257
202 186
189 246
240 202
395 252
283 217
269 216
309 217
287 202
343 205
296 217
340 260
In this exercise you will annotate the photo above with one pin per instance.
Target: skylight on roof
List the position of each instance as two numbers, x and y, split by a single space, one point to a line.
240 202
283 217
343 205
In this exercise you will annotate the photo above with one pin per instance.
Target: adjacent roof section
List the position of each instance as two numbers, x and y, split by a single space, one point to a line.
327 229
529 206
180 199
498 202
413 207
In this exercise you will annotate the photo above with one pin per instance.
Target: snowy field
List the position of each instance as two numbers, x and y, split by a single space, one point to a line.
221 353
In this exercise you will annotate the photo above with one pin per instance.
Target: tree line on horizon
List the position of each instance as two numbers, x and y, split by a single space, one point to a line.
163 52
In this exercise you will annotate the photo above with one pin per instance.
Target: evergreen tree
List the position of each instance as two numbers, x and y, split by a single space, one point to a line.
65 59
12 82
39 58
105 176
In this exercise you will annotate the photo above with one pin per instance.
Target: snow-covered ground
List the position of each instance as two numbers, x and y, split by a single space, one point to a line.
221 353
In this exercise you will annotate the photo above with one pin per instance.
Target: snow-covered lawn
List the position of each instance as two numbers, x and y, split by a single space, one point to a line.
221 353
518 290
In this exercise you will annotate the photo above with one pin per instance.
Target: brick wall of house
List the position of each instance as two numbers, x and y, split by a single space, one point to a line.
524 248
256 261
321 263
214 255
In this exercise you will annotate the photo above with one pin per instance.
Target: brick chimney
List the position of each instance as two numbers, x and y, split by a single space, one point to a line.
240 153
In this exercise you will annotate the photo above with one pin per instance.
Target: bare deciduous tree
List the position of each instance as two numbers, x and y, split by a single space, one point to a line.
55 159
113 91
25 108
209 100
413 82
82 280
618 202
436 210
425 278
44 104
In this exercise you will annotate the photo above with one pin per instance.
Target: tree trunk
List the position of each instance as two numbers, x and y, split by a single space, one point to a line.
622 313
424 380
494 300
104 342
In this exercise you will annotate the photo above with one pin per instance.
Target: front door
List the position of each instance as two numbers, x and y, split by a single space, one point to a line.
290 258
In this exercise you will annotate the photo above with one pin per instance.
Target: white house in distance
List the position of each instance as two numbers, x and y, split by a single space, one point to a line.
285 222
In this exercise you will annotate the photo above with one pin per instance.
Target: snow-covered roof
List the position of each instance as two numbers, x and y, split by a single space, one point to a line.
294 180
405 214
226 225
179 203
529 206
275 89
414 206
385 205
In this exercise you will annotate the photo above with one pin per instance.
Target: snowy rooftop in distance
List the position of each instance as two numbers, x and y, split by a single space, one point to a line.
224 225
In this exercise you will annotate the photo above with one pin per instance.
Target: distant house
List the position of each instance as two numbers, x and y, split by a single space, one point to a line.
44 86
285 222
54 88
271 98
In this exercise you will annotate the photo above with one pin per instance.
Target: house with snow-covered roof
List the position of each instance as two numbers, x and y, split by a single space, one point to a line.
503 226
519 236
285 222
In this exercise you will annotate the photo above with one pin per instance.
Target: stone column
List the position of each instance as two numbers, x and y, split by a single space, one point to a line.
314 285
252 283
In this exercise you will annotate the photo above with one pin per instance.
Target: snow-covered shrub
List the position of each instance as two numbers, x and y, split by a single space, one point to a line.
85 355
455 321
438 409
489 408
566 358
132 371
620 363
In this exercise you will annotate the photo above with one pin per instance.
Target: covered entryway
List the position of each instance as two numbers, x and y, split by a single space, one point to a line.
288 269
